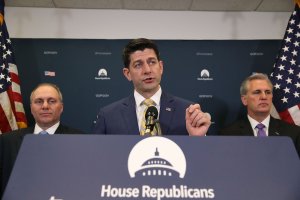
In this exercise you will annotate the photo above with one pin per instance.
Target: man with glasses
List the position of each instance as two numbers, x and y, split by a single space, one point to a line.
46 105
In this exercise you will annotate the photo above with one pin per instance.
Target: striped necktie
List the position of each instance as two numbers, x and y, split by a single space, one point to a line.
147 103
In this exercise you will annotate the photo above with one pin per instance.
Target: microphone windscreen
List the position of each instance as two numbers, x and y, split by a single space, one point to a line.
151 111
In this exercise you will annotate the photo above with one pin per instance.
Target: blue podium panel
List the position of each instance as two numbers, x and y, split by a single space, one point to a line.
92 167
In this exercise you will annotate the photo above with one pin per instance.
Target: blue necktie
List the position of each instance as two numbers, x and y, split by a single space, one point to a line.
43 133
261 132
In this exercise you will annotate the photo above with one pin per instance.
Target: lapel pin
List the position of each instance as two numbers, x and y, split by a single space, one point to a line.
168 109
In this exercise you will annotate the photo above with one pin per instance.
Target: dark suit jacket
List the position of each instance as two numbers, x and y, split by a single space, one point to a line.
276 128
9 147
120 117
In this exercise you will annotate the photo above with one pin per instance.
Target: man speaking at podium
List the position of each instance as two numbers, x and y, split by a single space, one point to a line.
132 115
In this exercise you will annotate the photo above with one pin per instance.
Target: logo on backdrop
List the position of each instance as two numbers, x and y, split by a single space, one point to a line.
156 156
102 75
204 76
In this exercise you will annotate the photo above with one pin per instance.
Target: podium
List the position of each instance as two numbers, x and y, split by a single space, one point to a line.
92 167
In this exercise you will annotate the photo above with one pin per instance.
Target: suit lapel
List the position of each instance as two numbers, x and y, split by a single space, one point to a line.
245 128
166 114
273 127
129 115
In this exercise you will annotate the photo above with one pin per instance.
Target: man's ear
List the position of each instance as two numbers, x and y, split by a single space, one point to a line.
126 73
244 100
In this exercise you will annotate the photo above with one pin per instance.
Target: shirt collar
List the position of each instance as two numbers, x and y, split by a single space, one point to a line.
139 98
51 130
265 122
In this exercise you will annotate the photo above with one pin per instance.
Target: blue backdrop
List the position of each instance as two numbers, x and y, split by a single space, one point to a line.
89 73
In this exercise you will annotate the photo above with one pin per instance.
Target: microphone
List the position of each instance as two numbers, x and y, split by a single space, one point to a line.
151 118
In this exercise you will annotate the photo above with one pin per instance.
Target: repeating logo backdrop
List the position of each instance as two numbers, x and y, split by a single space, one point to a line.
89 73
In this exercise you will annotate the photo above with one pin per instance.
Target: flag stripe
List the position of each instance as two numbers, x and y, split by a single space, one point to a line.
11 107
286 73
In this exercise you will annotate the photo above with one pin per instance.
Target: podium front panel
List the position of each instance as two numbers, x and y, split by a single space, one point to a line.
92 167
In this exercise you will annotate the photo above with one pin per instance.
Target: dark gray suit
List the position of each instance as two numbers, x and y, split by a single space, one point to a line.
9 147
120 117
277 127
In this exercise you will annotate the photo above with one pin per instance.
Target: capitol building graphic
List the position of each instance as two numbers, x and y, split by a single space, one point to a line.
157 166
156 156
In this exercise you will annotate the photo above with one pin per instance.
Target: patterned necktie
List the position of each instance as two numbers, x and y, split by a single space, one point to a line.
147 103
43 133
261 132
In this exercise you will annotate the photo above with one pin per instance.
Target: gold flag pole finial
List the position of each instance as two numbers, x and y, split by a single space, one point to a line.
1 19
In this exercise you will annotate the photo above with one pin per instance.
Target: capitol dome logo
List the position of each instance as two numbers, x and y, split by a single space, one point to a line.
156 156
102 75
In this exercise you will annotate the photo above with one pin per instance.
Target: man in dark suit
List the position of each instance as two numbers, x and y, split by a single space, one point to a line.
257 94
46 105
142 66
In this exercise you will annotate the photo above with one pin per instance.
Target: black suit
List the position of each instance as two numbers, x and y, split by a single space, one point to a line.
276 128
9 147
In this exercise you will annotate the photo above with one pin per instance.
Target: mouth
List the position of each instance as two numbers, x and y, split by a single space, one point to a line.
148 80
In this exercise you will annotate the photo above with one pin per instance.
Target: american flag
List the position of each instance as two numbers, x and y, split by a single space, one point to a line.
12 115
286 73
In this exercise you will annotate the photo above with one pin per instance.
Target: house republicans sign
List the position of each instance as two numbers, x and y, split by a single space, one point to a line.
157 159
129 167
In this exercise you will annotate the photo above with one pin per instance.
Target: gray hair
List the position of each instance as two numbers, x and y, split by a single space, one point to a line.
255 76
47 84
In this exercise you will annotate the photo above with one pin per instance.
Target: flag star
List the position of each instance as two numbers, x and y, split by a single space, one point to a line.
8 41
298 75
0 33
288 80
2 76
8 52
8 79
291 71
4 47
284 100
297 85
297 34
1 86
277 86
279 77
283 58
298 25
286 90
292 21
3 66
294 53
287 39
290 30
296 94
296 44
294 12
281 67
285 48
293 62
4 56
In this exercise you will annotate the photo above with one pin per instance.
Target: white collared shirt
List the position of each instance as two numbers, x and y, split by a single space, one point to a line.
265 122
50 130
140 108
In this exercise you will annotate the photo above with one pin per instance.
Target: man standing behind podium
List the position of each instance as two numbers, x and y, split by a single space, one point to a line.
142 66
257 94
46 105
